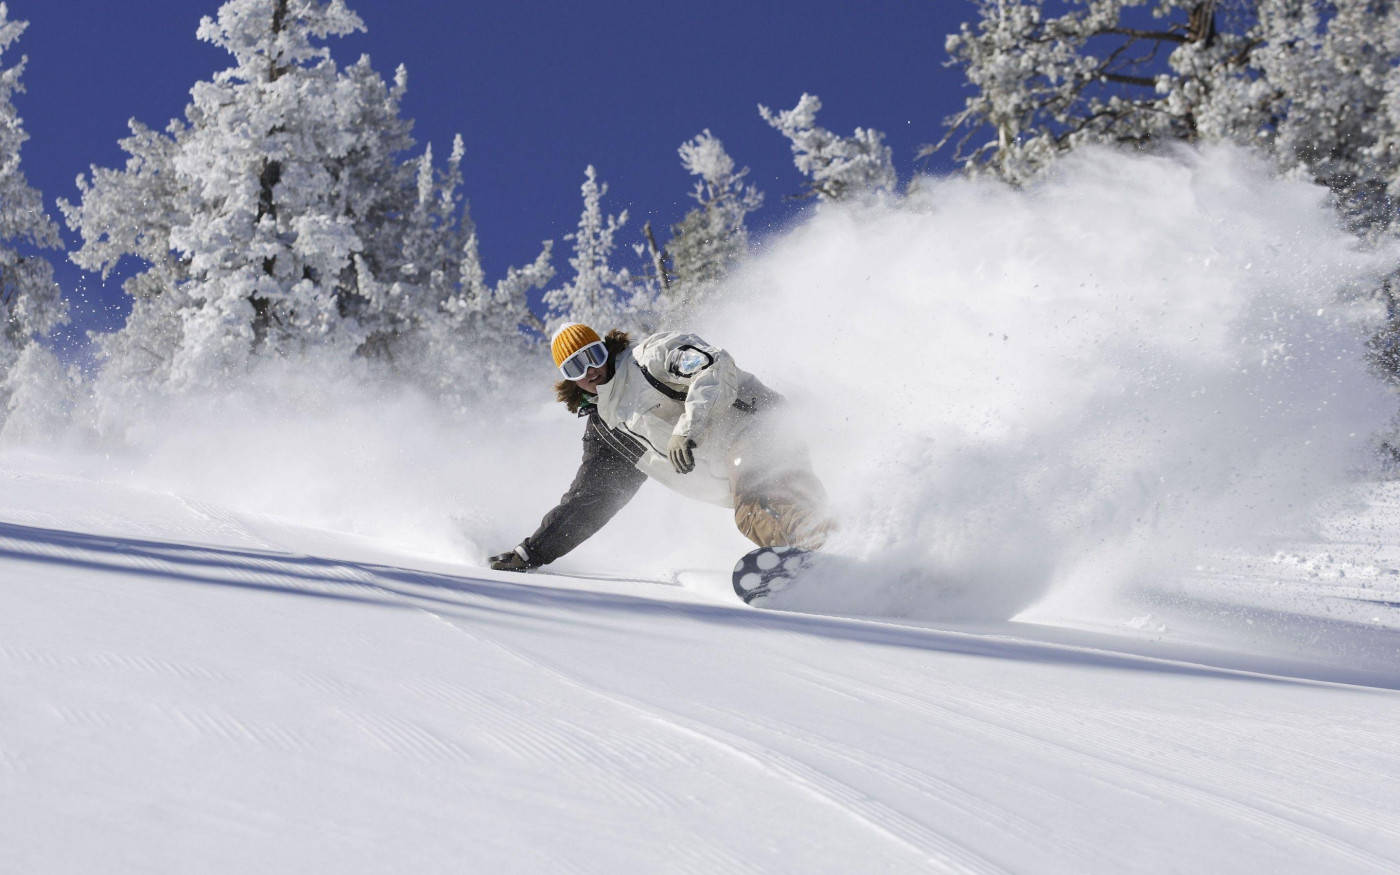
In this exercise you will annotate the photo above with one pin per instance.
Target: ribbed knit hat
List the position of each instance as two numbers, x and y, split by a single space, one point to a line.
569 339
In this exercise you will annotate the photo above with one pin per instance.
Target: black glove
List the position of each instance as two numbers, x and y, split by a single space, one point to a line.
679 452
512 560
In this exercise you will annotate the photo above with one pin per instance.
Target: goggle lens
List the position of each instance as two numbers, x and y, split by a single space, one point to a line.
595 355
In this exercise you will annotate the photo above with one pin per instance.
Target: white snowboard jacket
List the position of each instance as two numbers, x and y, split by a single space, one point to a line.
668 384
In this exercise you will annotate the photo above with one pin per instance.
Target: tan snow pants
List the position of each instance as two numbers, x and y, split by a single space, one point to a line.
778 500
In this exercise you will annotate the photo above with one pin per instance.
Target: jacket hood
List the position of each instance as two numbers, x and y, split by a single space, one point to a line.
568 391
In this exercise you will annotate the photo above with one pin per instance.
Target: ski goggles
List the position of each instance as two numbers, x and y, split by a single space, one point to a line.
595 355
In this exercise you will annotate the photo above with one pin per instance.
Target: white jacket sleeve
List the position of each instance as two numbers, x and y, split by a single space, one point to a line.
706 374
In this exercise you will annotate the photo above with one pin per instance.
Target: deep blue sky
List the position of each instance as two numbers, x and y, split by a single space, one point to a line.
538 88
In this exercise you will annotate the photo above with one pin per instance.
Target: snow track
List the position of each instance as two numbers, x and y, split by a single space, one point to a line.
938 852
243 695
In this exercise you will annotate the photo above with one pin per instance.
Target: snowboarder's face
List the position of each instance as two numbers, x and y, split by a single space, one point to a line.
593 378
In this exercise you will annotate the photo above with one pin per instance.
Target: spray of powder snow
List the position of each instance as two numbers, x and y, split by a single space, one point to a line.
1007 393
1014 393
315 444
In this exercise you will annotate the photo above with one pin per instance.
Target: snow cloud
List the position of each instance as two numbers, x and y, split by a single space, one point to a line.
1080 384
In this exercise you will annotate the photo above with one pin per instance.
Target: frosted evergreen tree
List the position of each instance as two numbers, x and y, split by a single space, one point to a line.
478 336
295 164
30 303
1316 84
486 335
132 212
1320 87
713 235
256 196
280 213
836 167
459 323
599 294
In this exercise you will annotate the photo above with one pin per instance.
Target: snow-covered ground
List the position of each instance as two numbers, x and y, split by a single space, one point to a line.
185 689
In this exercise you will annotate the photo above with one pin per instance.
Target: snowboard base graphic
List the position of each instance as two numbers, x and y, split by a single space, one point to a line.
767 570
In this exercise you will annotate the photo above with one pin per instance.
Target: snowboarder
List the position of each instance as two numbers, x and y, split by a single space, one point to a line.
678 410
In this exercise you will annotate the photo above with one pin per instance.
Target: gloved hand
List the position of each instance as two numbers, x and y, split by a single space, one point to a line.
679 452
511 561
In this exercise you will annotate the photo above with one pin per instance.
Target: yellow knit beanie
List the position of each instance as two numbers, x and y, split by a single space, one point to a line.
569 339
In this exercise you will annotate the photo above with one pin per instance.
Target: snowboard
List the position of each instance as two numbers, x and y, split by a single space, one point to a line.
764 571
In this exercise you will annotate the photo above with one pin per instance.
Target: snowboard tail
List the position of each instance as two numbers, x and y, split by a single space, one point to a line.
766 570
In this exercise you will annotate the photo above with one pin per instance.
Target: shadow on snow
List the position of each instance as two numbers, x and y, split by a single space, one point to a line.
501 594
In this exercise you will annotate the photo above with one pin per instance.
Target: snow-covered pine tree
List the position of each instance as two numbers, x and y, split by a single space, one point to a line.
599 294
713 235
478 336
1320 86
836 167
1040 90
1315 83
249 209
30 302
442 299
484 335
131 212
280 213
294 162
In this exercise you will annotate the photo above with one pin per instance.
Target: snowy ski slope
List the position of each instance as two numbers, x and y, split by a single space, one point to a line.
186 689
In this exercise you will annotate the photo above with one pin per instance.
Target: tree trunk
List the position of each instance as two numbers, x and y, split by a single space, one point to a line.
658 258
1201 25
268 176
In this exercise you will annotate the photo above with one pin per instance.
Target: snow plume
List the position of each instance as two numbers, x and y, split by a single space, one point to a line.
332 446
1019 392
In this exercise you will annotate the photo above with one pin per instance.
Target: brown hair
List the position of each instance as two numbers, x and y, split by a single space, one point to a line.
568 391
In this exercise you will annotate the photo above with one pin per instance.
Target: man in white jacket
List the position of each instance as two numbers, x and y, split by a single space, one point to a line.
678 410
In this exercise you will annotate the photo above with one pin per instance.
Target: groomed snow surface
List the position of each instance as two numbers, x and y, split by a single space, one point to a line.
187 689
